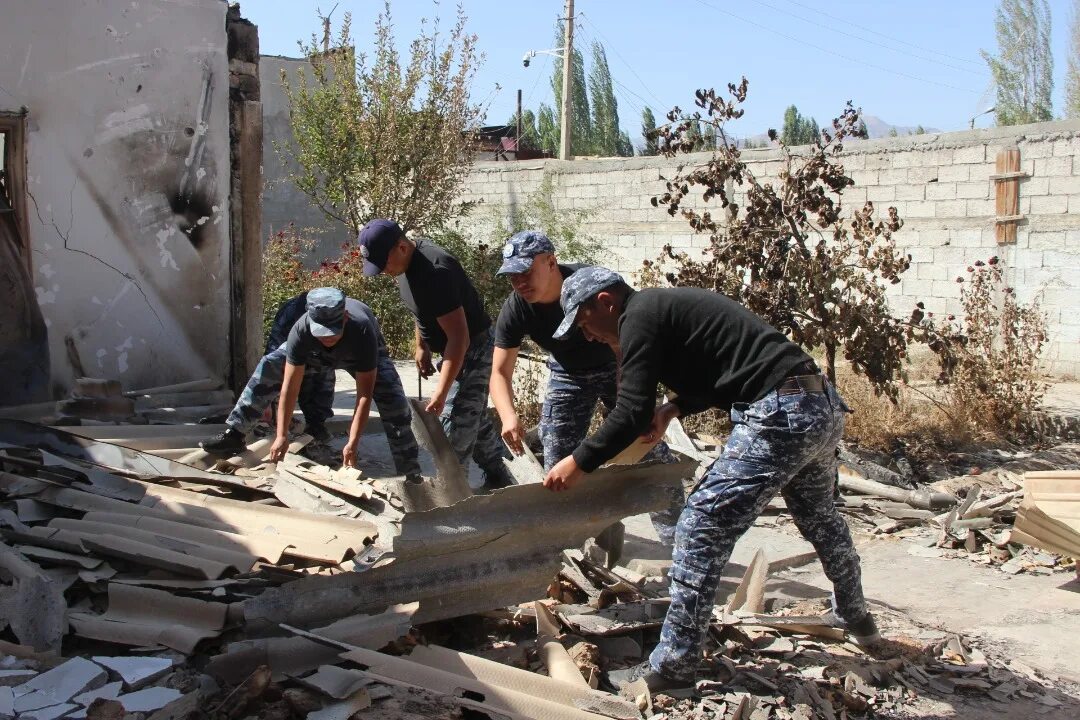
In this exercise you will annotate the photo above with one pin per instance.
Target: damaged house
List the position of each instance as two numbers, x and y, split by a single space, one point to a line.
125 207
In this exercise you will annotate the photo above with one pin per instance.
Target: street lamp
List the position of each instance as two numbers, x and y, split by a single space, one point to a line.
984 112
554 52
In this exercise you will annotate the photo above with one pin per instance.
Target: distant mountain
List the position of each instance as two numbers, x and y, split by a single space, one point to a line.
875 126
878 128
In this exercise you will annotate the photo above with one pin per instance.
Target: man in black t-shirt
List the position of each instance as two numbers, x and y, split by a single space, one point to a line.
581 373
450 320
334 333
787 421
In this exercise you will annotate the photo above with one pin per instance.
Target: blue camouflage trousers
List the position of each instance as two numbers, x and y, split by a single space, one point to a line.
465 417
264 387
569 404
781 443
316 399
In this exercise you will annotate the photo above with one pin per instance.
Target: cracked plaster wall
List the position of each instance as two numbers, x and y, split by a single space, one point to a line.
128 177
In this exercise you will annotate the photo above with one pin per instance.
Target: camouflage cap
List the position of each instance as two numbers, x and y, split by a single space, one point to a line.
326 311
521 248
580 287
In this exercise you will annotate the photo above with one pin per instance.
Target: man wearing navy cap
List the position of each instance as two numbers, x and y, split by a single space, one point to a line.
335 332
787 421
582 373
450 320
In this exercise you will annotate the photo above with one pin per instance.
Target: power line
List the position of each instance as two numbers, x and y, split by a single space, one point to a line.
857 61
869 42
880 34
615 50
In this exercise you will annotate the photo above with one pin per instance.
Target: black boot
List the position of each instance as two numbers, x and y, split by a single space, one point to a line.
227 443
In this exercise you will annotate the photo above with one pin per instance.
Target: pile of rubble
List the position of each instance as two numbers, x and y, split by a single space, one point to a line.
132 582
969 516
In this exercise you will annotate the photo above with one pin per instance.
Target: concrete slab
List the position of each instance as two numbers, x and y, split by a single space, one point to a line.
135 672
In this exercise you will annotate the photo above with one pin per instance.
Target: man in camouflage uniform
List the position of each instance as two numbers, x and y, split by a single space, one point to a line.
316 398
450 320
788 420
581 373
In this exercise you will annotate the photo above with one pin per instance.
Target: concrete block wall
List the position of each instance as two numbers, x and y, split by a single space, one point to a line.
939 183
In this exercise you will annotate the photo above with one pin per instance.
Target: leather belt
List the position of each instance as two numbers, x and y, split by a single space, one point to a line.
804 377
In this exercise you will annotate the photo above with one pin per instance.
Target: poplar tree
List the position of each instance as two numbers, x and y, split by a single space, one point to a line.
605 108
580 117
1072 75
1023 69
648 132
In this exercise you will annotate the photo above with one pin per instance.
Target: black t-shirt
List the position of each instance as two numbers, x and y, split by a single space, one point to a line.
357 350
435 284
539 321
705 347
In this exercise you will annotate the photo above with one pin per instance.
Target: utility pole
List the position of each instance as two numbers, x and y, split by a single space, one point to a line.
567 82
518 135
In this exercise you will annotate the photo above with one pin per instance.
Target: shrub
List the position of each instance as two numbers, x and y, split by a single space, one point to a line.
990 356
786 250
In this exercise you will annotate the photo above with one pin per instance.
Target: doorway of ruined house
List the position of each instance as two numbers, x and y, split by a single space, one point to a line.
13 179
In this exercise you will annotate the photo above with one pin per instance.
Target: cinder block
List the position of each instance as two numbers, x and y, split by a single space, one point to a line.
1045 241
951 208
941 191
920 254
1072 239
877 161
853 161
1027 259
1035 186
954 173
972 190
916 209
881 194
921 175
911 191
1065 185
1061 260
966 238
1049 205
973 154
1052 166
932 271
979 208
981 172
1036 149
950 255
916 287
1069 148
944 288
865 178
893 176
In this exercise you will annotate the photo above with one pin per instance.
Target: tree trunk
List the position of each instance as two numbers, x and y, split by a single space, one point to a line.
830 362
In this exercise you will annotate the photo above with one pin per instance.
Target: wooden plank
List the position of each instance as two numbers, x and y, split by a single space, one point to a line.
1007 194
1010 175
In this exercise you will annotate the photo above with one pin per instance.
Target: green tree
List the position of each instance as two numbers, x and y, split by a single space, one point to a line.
1072 75
892 132
378 135
1023 69
798 130
605 108
708 138
861 130
547 127
530 136
648 132
580 116
626 146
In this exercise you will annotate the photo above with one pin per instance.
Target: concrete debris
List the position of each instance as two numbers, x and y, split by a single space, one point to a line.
182 571
135 672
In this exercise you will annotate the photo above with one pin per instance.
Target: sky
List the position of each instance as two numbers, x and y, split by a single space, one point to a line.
911 63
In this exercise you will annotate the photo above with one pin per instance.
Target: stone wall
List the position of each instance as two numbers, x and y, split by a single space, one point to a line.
940 184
